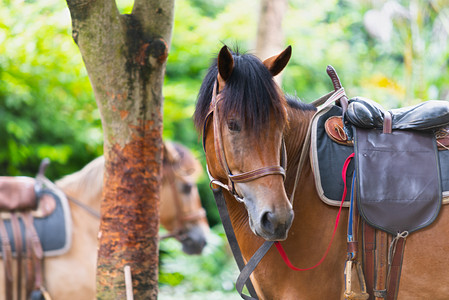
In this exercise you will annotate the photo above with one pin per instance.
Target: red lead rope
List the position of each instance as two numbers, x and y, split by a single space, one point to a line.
281 249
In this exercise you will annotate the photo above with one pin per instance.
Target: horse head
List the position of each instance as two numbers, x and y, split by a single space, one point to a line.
243 115
181 212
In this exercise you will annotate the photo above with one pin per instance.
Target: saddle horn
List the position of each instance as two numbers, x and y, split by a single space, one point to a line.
337 85
43 166
334 77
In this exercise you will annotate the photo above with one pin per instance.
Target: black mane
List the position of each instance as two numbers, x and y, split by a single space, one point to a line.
296 103
250 92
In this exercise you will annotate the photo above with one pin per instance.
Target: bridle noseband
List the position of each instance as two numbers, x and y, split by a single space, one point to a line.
218 143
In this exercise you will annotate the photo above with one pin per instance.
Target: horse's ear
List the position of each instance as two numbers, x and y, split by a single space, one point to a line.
225 64
277 63
170 154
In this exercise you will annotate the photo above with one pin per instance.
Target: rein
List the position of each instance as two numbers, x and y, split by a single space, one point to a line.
337 220
87 208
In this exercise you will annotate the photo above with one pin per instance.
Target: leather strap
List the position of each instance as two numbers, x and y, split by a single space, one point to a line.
34 253
219 150
249 268
17 235
380 272
181 217
369 247
88 209
232 240
394 274
387 122
337 85
7 259
251 175
382 267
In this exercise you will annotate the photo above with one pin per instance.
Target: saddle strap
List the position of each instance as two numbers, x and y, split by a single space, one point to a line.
34 255
369 247
380 272
382 268
394 273
7 259
17 235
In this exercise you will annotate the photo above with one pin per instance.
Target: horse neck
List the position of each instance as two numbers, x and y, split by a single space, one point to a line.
86 185
295 136
306 201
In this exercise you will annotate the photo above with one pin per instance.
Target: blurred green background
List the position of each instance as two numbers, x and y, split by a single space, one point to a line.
395 52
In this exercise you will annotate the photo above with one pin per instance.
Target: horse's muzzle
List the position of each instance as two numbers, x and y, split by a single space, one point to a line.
273 227
194 241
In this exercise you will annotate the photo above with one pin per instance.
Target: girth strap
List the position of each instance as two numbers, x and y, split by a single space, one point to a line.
382 263
395 269
17 235
7 259
34 255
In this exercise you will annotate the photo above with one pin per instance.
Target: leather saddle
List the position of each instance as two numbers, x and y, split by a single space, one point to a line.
392 151
429 115
399 176
26 206
365 113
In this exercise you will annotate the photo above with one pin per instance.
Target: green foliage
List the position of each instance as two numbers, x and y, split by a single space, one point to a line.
210 275
46 104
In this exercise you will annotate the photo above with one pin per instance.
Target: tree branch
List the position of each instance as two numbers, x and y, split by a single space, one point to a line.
155 16
96 29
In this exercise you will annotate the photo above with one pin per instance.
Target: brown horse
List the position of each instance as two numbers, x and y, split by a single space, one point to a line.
245 117
72 275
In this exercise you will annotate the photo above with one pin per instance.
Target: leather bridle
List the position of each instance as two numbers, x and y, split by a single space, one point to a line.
219 150
182 218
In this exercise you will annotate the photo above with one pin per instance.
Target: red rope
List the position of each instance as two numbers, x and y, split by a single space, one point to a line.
281 249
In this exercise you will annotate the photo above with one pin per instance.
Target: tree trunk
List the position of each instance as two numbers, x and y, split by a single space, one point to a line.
125 59
270 36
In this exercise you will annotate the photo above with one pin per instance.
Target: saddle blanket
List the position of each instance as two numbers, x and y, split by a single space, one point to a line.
327 158
54 230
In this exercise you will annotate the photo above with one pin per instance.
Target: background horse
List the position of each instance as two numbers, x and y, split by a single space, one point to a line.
72 275
245 116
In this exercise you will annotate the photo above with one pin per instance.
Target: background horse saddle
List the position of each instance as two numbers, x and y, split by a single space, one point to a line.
51 220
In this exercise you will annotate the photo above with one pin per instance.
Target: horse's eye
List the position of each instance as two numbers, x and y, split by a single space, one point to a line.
234 125
186 188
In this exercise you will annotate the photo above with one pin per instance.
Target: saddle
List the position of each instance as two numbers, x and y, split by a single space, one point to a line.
398 178
26 206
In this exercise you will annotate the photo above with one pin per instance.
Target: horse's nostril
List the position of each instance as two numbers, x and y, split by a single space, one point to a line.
267 222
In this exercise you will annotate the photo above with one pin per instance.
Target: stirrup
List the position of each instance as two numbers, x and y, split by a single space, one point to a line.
350 294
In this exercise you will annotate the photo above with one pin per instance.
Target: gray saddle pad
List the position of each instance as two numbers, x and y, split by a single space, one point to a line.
398 179
54 231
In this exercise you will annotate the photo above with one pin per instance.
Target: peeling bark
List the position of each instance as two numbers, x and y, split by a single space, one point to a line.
125 58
